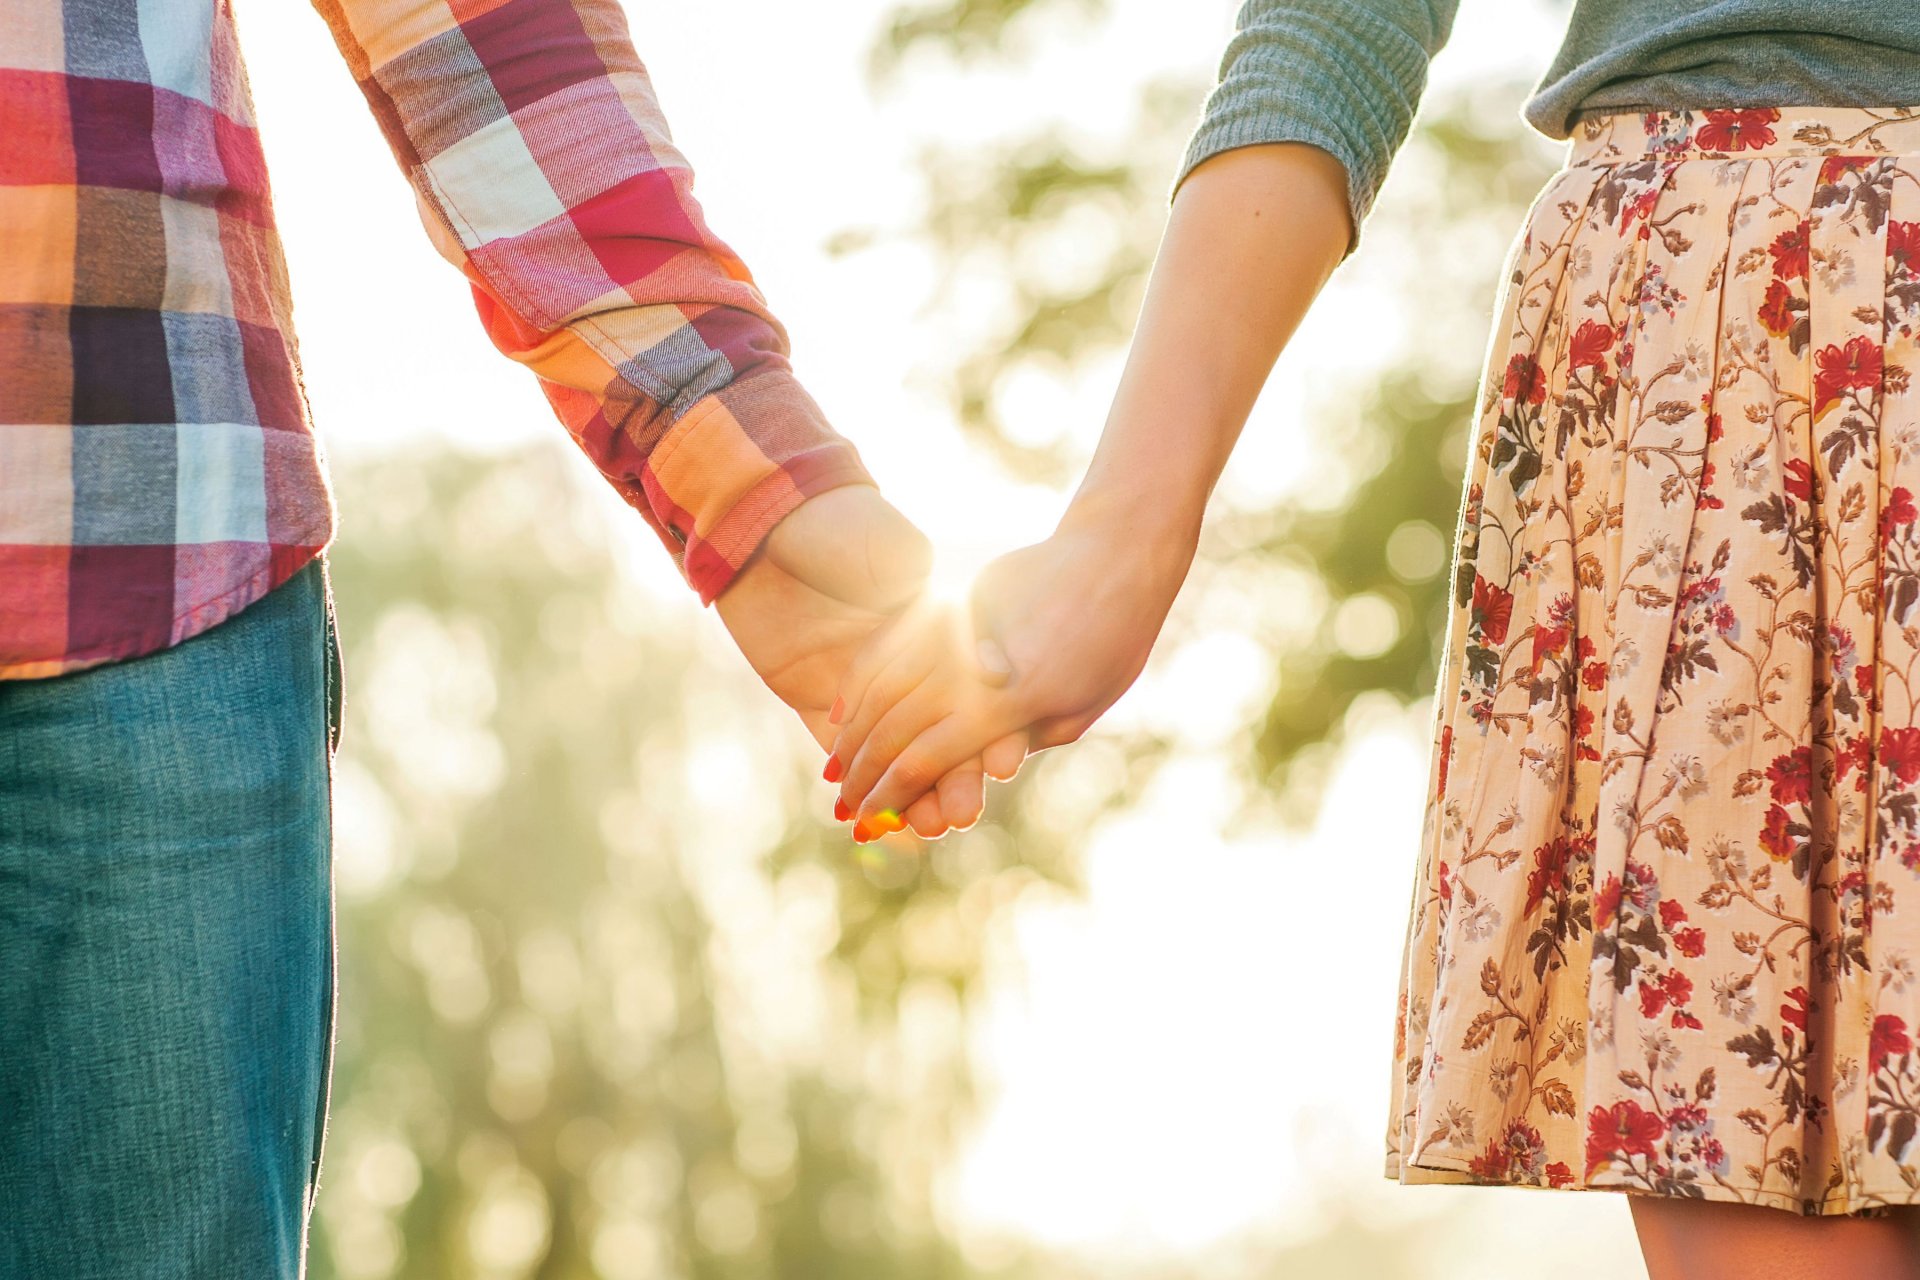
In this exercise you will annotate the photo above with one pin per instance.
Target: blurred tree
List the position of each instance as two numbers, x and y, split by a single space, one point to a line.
1372 536
588 1028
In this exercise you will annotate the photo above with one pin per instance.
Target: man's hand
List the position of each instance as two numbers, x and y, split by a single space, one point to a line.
830 574
1064 628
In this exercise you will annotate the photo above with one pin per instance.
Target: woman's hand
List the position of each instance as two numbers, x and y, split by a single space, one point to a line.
1059 631
831 573
1254 233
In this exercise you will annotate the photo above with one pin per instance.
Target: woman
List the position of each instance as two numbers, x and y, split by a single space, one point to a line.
1667 915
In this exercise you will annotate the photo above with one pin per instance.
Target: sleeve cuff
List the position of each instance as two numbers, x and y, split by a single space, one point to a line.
1335 75
736 464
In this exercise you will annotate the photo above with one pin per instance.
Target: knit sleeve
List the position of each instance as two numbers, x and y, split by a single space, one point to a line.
1342 75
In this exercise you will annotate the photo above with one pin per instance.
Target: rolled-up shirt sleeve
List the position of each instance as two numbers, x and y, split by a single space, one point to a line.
1343 75
544 171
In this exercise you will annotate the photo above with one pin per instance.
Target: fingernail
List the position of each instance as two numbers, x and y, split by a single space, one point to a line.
860 833
833 770
838 709
840 811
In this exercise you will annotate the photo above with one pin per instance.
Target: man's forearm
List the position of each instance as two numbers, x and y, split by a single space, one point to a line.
1253 235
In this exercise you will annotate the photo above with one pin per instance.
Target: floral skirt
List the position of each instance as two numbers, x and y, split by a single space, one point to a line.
1666 924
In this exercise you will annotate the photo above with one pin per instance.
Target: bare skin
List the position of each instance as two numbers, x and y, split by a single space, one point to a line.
1706 1240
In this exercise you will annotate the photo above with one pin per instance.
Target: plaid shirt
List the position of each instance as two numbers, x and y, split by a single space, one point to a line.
157 469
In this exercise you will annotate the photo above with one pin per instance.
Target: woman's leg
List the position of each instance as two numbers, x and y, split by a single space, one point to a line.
1709 1240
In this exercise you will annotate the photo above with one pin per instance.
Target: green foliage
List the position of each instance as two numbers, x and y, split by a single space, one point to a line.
962 28
1397 441
582 871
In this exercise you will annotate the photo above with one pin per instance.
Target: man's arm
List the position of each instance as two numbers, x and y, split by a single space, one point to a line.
544 171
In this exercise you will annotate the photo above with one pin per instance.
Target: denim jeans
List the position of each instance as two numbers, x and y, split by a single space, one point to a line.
166 952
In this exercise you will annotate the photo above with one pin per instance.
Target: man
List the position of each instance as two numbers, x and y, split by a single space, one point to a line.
168 681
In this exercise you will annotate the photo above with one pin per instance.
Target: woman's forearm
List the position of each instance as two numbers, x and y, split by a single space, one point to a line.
1253 235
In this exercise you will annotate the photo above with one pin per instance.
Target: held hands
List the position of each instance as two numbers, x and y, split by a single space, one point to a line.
1064 627
831 573
1059 631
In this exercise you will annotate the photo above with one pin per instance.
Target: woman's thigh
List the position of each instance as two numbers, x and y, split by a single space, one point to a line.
1701 1240
166 974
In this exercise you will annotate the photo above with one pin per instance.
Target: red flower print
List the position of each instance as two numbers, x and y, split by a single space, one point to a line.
1558 1175
1777 311
1525 381
1653 998
1591 342
1446 883
1794 1012
1492 608
1514 1153
1792 776
1549 874
1774 836
1623 1129
1606 903
1854 754
1898 509
1857 365
1789 251
1671 913
1834 168
1594 675
1799 479
1900 751
1546 643
1678 986
1641 206
1690 942
1889 1037
1903 244
1736 130
1681 1018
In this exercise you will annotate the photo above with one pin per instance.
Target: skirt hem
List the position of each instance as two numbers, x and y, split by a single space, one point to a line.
1438 1172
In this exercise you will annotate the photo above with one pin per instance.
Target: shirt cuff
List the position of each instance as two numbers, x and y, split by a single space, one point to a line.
737 463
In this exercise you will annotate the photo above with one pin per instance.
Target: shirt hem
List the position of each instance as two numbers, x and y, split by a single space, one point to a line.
183 626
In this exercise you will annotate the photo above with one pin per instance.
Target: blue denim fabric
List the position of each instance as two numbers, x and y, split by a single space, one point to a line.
166 953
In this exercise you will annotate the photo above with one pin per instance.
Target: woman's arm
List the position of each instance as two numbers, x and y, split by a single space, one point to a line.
1253 235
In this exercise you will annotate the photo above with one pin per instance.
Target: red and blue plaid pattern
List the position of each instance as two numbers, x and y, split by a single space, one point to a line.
157 469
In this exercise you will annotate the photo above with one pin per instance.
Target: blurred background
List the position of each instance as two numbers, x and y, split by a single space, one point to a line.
618 998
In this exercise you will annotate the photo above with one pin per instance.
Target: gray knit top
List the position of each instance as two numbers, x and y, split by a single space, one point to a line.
1346 75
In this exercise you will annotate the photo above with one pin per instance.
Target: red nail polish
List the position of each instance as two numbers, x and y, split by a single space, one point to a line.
838 709
833 770
840 811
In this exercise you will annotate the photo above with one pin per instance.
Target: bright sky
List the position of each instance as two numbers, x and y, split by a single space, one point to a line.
1166 1060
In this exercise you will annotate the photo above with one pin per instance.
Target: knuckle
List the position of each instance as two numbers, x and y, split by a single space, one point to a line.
914 770
882 751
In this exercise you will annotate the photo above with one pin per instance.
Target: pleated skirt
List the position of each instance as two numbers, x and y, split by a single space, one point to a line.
1665 930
